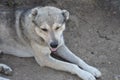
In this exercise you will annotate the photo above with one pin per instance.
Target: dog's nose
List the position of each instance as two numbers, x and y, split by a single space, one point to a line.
54 44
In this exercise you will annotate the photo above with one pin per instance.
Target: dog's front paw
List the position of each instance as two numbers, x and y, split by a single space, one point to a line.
93 71
1 78
87 76
5 69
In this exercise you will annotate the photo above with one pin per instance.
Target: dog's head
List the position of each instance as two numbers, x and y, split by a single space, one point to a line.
49 25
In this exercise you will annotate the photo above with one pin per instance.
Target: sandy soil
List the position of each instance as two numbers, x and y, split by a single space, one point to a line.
91 33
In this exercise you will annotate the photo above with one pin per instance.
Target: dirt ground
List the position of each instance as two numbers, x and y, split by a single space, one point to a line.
92 33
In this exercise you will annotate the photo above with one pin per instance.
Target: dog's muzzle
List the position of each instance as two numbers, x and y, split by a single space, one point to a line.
54 46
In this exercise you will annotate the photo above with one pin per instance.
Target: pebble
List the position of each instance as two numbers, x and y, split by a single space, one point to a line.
117 77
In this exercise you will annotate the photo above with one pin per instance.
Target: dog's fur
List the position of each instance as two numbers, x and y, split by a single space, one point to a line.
38 32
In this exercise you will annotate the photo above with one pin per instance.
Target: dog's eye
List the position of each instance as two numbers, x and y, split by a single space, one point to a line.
43 29
57 28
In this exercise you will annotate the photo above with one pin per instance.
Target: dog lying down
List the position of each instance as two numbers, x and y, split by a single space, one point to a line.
38 32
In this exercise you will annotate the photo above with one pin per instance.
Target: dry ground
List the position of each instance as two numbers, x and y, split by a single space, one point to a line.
91 33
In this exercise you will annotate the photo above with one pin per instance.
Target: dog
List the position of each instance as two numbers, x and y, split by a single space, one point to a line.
36 33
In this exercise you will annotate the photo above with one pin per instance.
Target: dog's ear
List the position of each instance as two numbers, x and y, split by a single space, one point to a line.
65 13
33 12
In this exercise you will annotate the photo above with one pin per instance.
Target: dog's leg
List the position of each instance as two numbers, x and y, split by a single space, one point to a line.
5 69
43 58
65 53
1 78
68 67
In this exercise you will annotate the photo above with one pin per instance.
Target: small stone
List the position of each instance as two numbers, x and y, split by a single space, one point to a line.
114 12
109 63
117 77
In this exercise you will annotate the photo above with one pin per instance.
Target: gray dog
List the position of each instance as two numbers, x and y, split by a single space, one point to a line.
38 32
